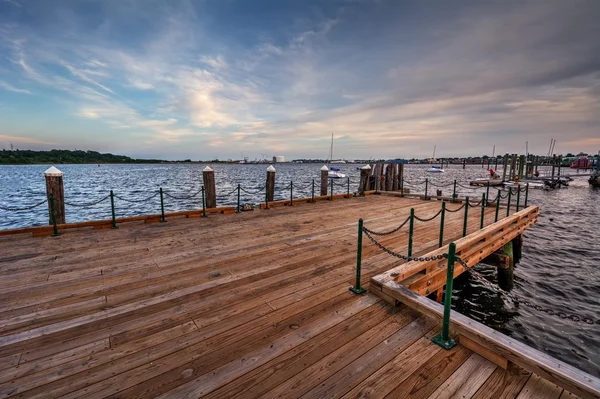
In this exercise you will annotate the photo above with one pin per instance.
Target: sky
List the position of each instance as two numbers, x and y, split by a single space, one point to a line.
180 79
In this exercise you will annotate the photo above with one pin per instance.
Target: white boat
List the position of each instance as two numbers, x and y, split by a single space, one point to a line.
435 169
334 173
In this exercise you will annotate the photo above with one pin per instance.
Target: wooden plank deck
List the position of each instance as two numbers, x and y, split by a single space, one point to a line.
248 305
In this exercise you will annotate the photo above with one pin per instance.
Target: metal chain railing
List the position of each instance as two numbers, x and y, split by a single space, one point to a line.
513 297
137 201
259 191
25 208
428 219
457 209
184 197
87 204
387 233
400 256
475 205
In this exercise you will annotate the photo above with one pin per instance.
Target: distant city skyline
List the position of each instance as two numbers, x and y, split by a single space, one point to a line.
186 79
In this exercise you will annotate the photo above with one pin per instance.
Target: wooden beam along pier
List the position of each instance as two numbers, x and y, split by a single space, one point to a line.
258 305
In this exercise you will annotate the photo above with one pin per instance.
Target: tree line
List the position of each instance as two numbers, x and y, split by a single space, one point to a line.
21 157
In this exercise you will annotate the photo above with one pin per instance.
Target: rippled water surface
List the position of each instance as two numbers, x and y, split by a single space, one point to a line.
560 268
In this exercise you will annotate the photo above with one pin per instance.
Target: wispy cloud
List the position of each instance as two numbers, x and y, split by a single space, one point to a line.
23 140
12 88
377 74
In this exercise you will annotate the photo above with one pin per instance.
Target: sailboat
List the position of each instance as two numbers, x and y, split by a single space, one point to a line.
433 168
334 173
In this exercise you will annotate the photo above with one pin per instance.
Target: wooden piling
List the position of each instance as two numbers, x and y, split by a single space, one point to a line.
395 182
208 177
270 186
401 176
521 166
55 189
388 177
324 179
504 166
506 270
365 174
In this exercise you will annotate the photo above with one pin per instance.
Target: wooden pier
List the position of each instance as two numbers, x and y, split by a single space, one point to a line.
247 305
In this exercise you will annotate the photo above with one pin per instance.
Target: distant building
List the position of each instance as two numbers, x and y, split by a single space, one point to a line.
274 159
280 158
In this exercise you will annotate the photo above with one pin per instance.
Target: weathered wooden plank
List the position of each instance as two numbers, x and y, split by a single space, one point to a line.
484 352
467 379
503 383
539 388
393 373
565 375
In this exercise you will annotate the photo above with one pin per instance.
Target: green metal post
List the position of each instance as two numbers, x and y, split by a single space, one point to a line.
331 195
313 190
487 192
55 232
203 204
267 198
357 289
497 206
112 209
443 214
402 185
483 205
444 339
526 194
508 203
348 188
454 192
466 216
162 206
411 227
239 189
518 198
291 193
426 186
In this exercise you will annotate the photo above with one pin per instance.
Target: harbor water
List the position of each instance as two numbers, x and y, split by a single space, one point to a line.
559 270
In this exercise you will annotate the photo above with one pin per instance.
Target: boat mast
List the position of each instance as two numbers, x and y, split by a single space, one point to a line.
331 149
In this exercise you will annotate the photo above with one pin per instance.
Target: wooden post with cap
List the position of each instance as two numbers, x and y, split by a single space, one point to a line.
55 191
270 183
208 176
324 179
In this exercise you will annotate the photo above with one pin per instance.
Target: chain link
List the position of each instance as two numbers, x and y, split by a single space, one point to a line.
260 190
457 209
513 297
137 201
27 208
469 187
428 219
475 205
183 198
400 256
84 205
386 233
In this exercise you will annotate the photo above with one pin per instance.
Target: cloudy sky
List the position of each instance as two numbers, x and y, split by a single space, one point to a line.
202 79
